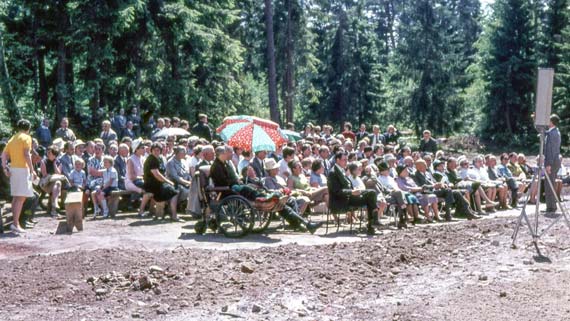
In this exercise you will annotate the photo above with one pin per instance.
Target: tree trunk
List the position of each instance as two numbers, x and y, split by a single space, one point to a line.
61 87
6 88
36 63
43 84
271 73
289 80
92 78
70 79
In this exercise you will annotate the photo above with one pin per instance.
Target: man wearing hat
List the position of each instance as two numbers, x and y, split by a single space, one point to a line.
552 161
274 182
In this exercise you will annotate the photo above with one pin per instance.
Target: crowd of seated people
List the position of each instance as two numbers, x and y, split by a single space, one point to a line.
347 170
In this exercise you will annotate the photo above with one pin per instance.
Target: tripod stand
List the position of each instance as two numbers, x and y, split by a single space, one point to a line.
536 177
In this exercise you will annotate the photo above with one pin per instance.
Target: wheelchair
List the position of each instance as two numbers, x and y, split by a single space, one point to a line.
233 215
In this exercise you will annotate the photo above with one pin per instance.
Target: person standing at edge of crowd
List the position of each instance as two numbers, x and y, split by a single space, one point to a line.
201 128
552 161
64 132
21 170
43 133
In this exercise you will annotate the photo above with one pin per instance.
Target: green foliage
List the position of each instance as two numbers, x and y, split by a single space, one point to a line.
434 64
561 95
509 69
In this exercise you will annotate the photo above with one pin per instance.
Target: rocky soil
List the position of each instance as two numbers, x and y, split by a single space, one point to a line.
463 271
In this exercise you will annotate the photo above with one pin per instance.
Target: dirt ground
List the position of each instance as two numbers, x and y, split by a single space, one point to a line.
142 269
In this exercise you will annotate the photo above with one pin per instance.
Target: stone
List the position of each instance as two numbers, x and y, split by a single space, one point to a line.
528 262
145 282
135 315
163 309
395 271
502 294
255 308
483 277
246 269
155 268
184 304
157 291
225 308
495 243
101 291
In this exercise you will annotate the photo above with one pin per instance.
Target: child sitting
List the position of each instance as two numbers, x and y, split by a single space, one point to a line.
110 183
77 178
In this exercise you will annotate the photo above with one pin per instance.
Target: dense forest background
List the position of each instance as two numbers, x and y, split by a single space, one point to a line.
453 66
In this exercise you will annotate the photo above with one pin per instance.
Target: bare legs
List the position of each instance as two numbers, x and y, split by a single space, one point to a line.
17 204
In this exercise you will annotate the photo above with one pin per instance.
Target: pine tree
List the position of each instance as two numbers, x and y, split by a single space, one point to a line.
509 69
561 91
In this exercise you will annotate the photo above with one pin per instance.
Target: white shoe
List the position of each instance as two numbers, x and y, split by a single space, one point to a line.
17 229
105 214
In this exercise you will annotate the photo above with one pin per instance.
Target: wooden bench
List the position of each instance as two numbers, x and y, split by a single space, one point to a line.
114 199
155 208
74 211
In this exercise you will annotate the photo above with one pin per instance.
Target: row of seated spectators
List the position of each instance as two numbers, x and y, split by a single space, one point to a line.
419 184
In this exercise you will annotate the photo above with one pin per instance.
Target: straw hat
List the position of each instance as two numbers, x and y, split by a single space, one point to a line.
269 164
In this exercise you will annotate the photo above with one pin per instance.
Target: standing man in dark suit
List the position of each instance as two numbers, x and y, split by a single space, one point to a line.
552 161
391 135
361 133
119 121
342 196
128 131
135 118
376 138
428 144
202 129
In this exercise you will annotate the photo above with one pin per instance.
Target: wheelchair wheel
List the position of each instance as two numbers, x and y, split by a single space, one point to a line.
261 221
235 216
